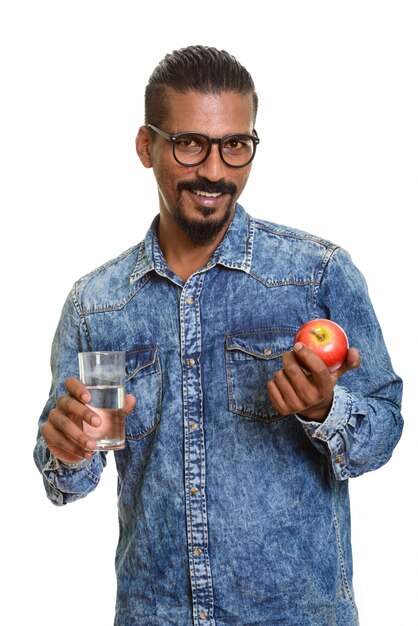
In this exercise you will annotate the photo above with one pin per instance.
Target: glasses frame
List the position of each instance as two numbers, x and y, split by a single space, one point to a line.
211 140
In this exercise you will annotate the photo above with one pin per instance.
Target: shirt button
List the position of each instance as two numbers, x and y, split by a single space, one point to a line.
203 615
189 300
192 425
194 491
267 351
190 361
197 551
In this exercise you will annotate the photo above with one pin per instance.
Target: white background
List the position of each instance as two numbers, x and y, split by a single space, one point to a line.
337 83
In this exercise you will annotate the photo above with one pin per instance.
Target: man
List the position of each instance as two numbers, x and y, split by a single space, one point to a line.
233 490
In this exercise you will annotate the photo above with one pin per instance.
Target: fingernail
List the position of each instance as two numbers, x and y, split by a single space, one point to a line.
85 397
298 346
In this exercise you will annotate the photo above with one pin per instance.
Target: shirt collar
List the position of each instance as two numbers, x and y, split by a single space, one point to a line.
234 251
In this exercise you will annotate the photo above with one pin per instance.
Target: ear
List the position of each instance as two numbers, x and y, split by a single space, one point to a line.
143 146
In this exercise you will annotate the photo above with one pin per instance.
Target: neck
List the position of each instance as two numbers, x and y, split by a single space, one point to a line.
182 255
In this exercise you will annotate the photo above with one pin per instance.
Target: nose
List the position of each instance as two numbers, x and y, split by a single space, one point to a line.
213 168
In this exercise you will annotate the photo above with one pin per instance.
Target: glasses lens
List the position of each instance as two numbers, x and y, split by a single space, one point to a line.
238 150
191 149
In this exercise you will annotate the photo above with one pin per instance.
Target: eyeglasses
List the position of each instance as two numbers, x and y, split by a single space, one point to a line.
190 149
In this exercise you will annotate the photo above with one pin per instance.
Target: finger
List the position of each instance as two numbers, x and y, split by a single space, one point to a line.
311 362
309 377
313 388
75 388
65 451
65 427
291 401
298 387
78 411
352 361
277 399
129 405
66 448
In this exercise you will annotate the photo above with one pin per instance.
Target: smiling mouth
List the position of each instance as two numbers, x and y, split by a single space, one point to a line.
207 189
206 194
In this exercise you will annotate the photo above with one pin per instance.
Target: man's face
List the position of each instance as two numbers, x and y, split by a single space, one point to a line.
200 199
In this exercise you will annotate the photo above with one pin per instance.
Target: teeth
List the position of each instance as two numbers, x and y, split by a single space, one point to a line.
207 194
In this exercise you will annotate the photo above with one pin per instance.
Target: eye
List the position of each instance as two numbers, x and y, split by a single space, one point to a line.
189 143
238 144
232 144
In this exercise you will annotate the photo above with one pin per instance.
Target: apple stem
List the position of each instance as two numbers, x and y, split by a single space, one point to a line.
318 335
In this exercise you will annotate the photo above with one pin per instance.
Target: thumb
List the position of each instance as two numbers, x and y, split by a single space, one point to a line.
129 405
352 361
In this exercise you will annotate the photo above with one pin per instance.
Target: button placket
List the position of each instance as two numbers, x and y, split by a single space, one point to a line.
194 450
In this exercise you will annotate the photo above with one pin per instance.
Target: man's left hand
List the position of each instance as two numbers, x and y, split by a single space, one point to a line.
305 385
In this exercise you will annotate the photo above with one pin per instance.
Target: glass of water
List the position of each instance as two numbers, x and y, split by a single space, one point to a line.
103 373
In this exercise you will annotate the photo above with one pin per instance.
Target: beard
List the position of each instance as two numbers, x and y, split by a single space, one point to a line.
203 232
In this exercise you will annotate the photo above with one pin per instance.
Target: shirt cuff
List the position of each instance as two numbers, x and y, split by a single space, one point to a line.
66 482
56 464
335 434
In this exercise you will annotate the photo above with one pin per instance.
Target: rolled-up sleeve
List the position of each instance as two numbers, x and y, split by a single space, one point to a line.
365 422
66 482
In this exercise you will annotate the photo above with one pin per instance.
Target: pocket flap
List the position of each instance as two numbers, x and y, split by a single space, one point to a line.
265 344
139 358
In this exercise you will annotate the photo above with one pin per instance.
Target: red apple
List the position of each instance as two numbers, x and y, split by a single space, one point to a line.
327 339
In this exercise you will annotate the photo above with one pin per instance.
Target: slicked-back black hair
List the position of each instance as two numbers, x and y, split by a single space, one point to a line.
198 68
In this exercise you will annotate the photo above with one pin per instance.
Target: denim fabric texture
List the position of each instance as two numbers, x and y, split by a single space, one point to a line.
230 515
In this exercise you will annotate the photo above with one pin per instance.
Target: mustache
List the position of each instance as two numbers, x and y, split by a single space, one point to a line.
203 184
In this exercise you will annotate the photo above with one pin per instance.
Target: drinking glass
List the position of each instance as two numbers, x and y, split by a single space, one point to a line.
103 373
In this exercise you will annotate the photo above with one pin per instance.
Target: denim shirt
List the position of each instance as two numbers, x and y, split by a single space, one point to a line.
230 514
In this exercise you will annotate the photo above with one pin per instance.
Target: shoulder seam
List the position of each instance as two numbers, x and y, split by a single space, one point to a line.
288 232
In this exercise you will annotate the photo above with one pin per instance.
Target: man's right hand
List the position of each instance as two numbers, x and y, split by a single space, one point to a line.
63 430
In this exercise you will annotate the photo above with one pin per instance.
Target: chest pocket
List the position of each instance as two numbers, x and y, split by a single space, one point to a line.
252 358
144 381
